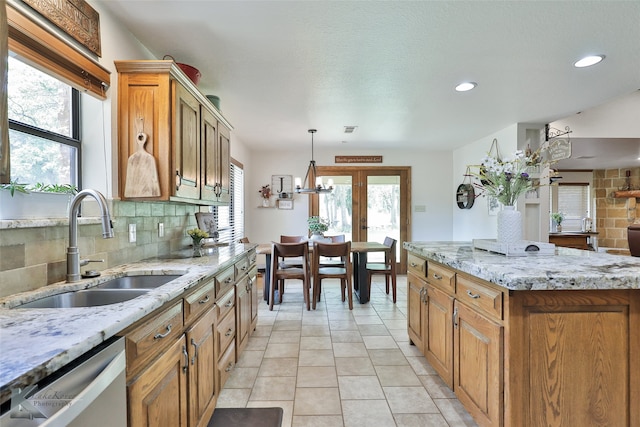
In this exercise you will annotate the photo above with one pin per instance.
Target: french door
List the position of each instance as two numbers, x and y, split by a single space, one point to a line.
367 204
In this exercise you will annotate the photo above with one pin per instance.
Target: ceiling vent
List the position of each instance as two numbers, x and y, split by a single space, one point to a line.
349 129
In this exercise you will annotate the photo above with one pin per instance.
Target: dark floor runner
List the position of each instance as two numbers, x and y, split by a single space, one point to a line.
249 417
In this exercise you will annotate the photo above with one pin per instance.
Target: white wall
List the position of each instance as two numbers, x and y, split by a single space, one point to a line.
430 178
476 223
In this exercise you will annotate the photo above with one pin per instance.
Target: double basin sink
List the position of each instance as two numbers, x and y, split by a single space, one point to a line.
111 292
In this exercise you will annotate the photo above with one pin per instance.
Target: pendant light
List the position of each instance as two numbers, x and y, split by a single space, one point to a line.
311 176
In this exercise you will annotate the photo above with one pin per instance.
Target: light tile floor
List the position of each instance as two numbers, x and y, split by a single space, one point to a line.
336 367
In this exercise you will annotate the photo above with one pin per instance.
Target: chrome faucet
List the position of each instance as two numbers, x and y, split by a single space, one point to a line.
73 255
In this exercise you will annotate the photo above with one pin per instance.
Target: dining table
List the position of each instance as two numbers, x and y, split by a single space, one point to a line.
360 276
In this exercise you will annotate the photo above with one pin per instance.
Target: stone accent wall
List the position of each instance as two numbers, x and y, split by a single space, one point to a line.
615 214
32 257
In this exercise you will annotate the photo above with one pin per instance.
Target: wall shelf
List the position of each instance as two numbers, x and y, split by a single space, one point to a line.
626 194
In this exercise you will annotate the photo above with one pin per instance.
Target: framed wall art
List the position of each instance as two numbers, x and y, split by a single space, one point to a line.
285 204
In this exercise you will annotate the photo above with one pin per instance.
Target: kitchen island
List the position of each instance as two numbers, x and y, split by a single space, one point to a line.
530 341
206 305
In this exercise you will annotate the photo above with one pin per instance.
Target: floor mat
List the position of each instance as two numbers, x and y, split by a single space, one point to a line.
250 417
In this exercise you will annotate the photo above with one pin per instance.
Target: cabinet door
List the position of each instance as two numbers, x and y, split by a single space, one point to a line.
253 287
438 346
243 313
478 365
209 152
158 396
187 144
416 320
202 384
224 164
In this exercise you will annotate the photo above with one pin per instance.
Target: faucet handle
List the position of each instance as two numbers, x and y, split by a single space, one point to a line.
87 261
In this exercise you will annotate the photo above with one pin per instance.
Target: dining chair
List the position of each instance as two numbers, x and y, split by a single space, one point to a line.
334 261
280 273
292 262
388 267
344 272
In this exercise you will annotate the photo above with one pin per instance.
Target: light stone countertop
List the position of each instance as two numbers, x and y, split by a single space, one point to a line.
38 341
568 269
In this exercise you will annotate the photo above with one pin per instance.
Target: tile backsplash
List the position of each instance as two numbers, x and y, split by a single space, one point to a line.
33 252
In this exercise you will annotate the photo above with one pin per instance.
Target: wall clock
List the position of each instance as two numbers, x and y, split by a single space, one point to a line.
465 196
282 186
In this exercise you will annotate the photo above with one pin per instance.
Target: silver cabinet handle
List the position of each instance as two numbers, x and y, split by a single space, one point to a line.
437 277
244 267
413 264
472 295
195 351
229 303
228 280
160 336
178 180
455 317
229 332
186 359
228 368
205 300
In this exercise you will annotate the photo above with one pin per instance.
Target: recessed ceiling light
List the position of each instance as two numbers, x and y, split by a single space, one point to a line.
350 129
588 61
463 87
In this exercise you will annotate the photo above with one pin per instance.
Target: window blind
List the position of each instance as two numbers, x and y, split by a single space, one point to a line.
573 201
230 219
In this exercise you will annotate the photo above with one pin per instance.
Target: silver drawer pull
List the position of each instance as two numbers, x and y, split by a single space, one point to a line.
413 264
228 280
229 332
437 277
160 336
472 295
244 267
228 368
229 303
205 300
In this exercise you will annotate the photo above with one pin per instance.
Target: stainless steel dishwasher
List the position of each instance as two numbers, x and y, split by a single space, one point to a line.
88 392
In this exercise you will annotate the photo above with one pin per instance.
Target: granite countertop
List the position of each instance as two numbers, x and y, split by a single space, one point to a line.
38 341
568 269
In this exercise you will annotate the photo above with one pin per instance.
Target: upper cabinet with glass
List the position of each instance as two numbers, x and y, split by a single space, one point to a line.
172 143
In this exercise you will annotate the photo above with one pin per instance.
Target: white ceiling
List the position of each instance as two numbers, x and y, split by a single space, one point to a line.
389 67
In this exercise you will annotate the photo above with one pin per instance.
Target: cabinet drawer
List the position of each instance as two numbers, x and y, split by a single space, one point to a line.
251 255
242 267
151 337
225 279
226 331
477 294
417 265
225 365
198 301
441 276
226 303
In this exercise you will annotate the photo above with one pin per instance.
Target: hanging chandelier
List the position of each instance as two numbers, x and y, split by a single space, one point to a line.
312 176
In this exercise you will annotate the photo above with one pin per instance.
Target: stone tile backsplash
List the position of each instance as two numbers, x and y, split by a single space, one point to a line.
33 255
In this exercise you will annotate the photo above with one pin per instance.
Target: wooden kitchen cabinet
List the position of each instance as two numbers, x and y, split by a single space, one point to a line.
416 317
438 341
255 300
202 385
478 365
158 397
186 154
243 313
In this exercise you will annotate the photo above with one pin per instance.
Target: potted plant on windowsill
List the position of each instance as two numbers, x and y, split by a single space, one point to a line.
556 222
38 201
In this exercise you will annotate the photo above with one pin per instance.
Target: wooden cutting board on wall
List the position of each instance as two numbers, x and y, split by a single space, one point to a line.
142 172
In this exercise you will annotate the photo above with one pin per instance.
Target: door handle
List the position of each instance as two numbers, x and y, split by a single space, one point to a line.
363 227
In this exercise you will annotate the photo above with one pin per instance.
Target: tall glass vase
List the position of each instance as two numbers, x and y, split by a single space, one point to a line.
509 225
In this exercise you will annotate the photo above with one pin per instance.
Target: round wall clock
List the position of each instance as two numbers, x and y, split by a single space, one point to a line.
465 196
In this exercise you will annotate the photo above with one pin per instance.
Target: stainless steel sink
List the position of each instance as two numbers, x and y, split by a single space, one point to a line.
85 298
138 282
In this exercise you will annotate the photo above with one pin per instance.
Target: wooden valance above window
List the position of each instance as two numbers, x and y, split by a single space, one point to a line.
50 53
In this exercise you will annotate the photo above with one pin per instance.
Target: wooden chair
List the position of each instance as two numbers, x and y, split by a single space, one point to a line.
292 262
279 253
244 240
388 268
344 272
334 261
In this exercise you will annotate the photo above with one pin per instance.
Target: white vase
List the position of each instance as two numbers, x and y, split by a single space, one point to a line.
509 225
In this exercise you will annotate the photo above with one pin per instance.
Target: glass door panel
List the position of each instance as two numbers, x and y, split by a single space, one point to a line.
336 206
383 211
